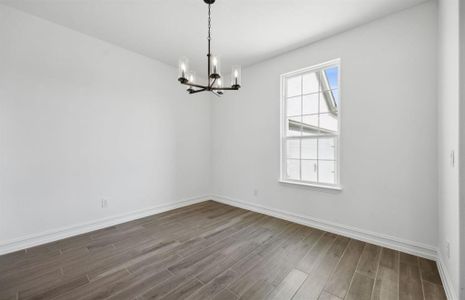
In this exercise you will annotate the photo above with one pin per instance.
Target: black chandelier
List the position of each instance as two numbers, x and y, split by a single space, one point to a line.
215 84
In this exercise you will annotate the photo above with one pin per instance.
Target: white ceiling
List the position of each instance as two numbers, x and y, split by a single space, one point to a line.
244 31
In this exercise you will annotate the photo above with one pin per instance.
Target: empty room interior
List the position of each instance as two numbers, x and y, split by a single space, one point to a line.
232 149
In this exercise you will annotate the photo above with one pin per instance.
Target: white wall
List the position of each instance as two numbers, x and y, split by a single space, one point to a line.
448 133
389 130
462 148
81 119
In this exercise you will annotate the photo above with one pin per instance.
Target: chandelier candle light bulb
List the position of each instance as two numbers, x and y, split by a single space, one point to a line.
215 62
214 84
190 81
215 68
183 69
236 77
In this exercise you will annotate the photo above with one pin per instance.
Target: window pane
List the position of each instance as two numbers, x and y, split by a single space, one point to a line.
326 148
324 103
309 148
293 169
310 125
293 149
294 106
311 120
309 170
294 126
326 172
328 122
332 77
311 83
310 104
294 86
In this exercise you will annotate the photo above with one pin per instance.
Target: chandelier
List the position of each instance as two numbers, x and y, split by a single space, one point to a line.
214 81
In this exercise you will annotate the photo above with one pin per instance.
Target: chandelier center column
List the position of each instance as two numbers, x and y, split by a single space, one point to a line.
209 41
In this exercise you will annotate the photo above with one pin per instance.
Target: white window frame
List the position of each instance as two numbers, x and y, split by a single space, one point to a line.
283 128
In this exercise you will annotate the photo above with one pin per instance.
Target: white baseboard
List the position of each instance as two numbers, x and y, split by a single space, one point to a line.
65 232
383 240
446 280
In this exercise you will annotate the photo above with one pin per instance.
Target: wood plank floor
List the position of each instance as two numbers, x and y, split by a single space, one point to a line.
214 251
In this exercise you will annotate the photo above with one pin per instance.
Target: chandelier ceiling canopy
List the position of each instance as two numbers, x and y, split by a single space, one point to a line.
214 81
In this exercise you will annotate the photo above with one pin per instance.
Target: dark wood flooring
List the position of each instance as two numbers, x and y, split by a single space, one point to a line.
214 251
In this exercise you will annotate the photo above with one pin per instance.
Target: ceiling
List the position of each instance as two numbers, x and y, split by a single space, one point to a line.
244 31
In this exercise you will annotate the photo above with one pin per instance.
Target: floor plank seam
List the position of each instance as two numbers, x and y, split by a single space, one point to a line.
355 271
421 280
311 248
335 268
398 275
297 289
253 253
232 292
204 283
223 239
377 272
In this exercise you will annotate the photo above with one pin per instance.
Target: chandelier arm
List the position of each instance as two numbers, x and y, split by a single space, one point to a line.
197 91
205 87
224 89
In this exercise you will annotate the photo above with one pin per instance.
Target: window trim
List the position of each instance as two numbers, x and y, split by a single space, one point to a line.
283 128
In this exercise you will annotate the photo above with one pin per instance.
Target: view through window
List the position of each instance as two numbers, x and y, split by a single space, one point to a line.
310 134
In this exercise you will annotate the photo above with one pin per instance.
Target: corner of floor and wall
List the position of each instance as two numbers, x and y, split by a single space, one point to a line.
123 146
450 154
462 149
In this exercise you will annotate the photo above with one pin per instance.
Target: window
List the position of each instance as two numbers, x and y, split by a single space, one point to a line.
310 126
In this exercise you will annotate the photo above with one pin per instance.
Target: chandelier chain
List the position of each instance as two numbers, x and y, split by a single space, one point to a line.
209 22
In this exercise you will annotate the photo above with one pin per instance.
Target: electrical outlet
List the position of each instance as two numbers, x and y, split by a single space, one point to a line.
104 203
448 249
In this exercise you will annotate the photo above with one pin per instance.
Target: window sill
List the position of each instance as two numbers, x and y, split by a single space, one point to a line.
315 185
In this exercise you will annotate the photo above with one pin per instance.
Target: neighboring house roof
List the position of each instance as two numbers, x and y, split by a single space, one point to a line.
307 128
